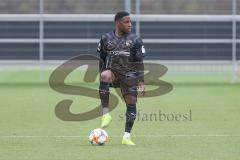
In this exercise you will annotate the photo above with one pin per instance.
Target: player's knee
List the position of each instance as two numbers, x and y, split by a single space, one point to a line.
130 100
106 76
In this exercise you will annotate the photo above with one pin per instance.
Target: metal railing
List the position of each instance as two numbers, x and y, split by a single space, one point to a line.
42 18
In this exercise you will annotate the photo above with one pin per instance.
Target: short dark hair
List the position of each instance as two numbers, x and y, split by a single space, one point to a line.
120 15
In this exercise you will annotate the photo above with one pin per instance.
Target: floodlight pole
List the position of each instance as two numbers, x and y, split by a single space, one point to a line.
138 4
127 5
234 41
41 37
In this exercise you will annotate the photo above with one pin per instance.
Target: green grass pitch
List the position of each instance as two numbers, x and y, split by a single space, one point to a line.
29 129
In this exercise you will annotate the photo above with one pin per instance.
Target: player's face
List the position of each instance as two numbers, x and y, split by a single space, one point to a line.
125 24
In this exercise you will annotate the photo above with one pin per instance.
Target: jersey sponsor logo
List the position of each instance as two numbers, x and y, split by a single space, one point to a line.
122 53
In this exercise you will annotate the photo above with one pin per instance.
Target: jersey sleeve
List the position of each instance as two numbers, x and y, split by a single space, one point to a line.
140 50
139 56
102 54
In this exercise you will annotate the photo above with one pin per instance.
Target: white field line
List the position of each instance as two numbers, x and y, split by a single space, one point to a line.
118 136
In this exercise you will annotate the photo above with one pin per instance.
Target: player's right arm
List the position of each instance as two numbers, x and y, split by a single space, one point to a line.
102 55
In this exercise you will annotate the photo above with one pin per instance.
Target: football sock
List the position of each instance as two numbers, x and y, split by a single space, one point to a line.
105 110
104 96
126 134
130 118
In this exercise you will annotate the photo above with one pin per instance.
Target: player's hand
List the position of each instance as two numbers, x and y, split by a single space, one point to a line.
141 88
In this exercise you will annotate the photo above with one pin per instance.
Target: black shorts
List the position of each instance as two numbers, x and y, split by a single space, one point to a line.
126 82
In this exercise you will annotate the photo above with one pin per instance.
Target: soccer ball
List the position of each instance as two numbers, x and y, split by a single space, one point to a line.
98 137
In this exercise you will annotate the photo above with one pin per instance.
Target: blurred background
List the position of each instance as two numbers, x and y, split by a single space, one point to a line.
188 36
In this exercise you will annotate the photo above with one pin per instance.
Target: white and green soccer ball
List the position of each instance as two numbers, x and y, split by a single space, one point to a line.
98 137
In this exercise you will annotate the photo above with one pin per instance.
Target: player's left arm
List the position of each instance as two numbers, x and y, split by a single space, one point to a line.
102 55
140 54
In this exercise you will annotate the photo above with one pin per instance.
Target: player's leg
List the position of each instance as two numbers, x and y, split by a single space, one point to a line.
131 113
106 77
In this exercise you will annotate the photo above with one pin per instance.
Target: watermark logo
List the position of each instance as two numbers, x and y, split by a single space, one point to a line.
160 116
58 76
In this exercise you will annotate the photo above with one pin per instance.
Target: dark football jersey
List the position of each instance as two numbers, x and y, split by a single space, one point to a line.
122 54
